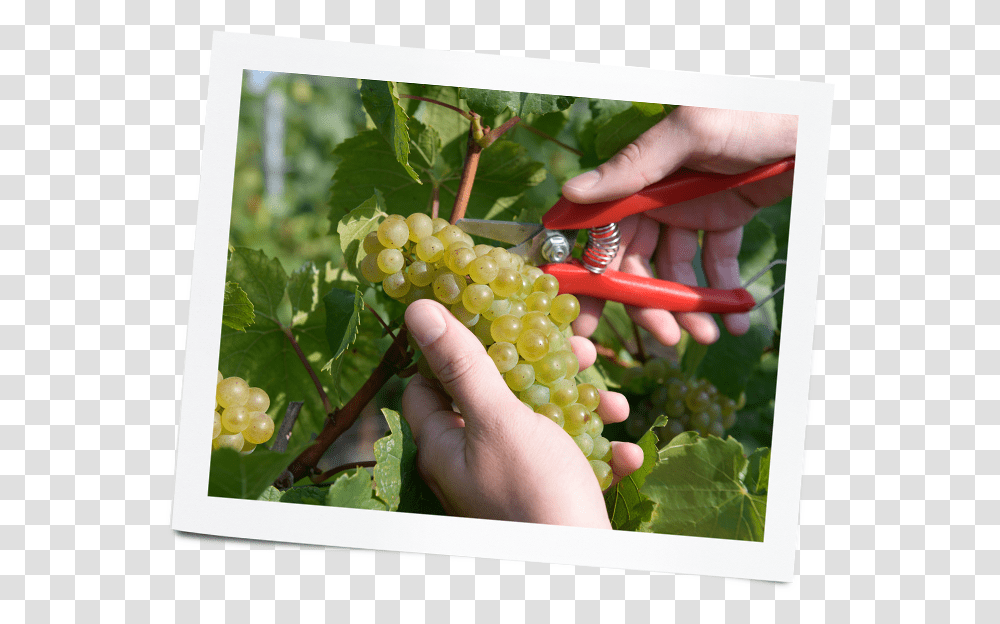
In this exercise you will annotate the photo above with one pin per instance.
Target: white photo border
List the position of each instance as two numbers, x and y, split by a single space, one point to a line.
194 511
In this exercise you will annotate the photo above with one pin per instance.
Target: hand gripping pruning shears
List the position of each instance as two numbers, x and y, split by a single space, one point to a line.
549 245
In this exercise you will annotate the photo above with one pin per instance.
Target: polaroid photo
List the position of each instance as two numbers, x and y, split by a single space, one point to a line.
333 176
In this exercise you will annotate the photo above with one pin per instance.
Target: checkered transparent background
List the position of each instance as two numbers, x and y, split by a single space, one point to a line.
101 106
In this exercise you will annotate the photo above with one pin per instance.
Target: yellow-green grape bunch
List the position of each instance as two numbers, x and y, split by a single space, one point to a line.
241 420
514 309
690 404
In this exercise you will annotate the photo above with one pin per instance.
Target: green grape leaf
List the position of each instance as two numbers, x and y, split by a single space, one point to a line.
730 362
264 354
382 103
505 171
758 468
261 278
343 318
353 489
355 226
699 489
397 481
232 475
491 103
303 291
628 507
308 495
351 370
448 124
237 311
271 493
626 126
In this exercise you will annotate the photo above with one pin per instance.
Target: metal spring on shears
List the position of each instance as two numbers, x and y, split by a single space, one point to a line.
602 247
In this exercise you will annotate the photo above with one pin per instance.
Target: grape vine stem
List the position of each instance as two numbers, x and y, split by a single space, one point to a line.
395 359
327 406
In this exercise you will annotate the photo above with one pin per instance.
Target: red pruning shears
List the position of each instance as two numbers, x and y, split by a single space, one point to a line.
549 245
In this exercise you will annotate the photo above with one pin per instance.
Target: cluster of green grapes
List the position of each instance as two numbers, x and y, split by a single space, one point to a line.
690 404
514 309
241 420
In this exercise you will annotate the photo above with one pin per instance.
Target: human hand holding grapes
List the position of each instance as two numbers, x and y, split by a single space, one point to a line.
703 139
496 458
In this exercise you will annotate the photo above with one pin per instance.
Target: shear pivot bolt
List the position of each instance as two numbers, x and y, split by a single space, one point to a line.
555 248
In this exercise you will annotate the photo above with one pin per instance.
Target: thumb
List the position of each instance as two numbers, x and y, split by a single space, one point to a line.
651 157
461 364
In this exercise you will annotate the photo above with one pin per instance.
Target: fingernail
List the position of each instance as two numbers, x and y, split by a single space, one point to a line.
426 324
584 181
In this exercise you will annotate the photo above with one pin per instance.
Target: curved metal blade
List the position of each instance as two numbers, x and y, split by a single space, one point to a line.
504 231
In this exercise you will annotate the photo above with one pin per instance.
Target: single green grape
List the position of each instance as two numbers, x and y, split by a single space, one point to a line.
565 308
450 234
550 367
520 377
420 226
532 345
717 430
537 321
464 316
538 302
371 244
602 470
557 341
483 270
498 308
564 392
506 328
390 260
547 284
585 442
590 397
504 355
535 394
430 249
369 269
258 400
420 273
396 285
438 224
458 259
518 309
602 449
506 283
231 392
477 297
552 412
393 233
235 418
259 429
576 418
482 331
232 441
448 287
595 426
572 364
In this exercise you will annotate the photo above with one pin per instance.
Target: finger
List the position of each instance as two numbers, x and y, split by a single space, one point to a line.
634 259
626 458
674 262
427 410
722 269
590 315
613 407
584 351
461 364
651 157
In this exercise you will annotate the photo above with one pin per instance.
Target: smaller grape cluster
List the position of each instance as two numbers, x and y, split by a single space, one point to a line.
690 404
241 420
514 309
